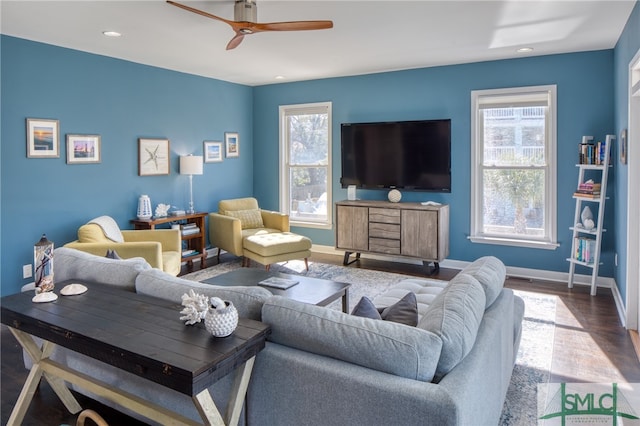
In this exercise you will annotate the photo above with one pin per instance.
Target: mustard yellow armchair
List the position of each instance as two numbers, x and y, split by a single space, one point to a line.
241 228
161 248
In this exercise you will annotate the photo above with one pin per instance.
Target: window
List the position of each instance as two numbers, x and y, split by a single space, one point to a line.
305 164
513 171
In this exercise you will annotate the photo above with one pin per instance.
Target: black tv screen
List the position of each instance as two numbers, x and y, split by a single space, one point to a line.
410 155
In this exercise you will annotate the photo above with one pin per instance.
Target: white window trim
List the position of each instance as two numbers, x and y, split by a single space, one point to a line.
284 162
476 235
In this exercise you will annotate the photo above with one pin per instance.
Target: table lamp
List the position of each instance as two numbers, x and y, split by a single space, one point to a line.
191 165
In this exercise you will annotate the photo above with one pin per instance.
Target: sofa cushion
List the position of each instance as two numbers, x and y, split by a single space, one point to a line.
249 219
112 254
366 309
404 311
425 290
91 233
380 345
455 316
71 264
247 300
490 273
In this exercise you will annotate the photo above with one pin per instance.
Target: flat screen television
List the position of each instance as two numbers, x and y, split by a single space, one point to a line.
410 155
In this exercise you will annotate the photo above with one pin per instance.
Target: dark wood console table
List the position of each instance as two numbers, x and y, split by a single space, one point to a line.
196 241
143 336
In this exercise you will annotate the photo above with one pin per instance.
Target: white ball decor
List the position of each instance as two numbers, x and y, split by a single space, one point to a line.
221 318
395 195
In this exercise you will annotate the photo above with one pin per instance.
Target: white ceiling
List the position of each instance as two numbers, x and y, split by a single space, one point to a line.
368 36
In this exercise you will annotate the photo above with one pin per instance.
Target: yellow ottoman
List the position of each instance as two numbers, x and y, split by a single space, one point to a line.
276 247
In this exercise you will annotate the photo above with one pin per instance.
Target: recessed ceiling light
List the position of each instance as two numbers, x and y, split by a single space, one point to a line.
111 33
525 50
279 77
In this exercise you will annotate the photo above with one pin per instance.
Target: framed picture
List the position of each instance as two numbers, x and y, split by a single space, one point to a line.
623 146
83 149
43 138
232 143
153 157
212 152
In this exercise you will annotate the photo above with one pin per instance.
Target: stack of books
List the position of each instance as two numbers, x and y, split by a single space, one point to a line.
589 153
588 190
585 249
190 229
189 252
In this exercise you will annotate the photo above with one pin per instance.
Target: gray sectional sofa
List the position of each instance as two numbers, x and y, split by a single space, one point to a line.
323 367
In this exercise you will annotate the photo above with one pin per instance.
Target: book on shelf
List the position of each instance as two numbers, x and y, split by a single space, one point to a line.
190 231
186 253
585 249
589 186
591 153
586 195
189 226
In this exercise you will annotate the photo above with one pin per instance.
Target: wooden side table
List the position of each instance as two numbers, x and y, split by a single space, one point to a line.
194 241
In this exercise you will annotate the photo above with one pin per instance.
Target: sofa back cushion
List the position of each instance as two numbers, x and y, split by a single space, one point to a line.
490 273
455 316
384 346
71 264
247 300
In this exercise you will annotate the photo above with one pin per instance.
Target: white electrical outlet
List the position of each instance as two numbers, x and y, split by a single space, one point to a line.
26 271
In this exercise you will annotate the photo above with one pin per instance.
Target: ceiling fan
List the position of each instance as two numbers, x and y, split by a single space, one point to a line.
245 15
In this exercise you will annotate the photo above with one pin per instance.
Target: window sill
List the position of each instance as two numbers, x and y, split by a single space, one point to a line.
315 225
545 245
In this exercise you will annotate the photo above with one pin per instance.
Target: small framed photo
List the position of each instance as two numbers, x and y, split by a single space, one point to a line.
232 143
153 157
43 139
83 149
212 152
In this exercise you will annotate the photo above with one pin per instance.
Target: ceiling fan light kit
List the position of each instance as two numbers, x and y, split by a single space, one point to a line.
246 15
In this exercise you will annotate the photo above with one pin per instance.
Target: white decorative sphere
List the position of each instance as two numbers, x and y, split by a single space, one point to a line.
394 195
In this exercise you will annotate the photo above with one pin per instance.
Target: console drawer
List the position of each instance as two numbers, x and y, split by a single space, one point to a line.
383 245
384 230
384 215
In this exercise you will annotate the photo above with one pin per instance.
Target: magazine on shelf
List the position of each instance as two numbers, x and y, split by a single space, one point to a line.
277 282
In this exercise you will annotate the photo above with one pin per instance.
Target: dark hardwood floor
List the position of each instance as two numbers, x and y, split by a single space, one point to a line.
590 345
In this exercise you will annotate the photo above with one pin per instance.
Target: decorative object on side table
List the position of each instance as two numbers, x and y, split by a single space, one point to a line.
191 165
144 207
221 318
162 210
43 266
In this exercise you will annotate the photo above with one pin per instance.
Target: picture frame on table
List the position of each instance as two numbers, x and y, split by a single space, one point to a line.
153 157
83 149
43 138
212 151
232 144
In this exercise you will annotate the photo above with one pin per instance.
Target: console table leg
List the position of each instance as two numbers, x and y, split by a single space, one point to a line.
347 254
207 408
431 271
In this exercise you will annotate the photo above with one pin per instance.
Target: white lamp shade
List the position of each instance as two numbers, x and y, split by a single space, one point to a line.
191 165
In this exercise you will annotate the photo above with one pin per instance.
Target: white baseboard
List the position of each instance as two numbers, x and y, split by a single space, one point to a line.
512 271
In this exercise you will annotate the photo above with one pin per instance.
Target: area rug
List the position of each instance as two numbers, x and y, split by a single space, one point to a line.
533 362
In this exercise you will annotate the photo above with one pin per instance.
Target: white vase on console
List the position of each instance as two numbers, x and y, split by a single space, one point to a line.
144 207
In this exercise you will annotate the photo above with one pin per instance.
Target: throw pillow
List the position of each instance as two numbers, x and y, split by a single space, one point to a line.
249 219
404 311
111 254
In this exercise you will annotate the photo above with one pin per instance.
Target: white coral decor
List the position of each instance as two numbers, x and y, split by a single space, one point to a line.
195 307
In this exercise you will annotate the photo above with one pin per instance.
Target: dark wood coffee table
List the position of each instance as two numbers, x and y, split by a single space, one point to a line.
314 291
139 334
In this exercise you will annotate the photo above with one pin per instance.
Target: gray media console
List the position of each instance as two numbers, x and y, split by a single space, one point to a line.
398 229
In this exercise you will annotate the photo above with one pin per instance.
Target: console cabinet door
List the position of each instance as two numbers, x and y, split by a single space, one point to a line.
352 232
420 234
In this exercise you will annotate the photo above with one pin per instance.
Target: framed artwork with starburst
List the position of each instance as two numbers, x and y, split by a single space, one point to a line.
153 157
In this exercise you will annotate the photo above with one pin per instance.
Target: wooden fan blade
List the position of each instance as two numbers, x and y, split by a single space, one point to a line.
235 41
200 12
293 26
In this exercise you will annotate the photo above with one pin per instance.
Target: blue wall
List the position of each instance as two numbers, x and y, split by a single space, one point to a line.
585 107
625 49
121 101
